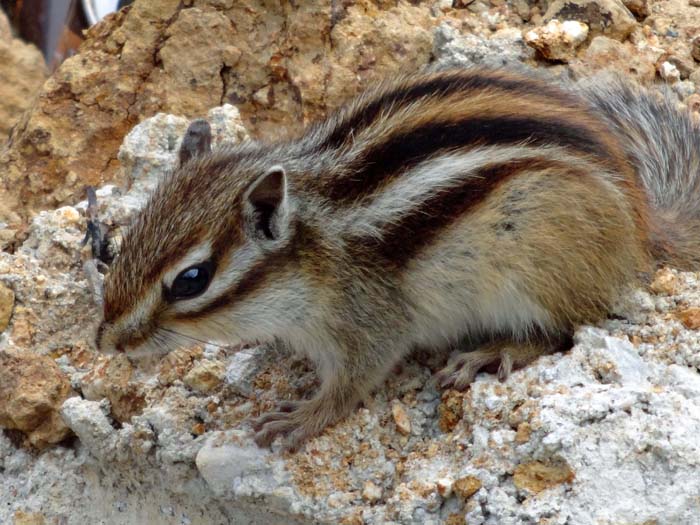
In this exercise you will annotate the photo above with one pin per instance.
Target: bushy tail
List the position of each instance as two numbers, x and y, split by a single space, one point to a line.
664 143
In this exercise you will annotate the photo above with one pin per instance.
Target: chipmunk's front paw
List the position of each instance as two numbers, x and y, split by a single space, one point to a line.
296 421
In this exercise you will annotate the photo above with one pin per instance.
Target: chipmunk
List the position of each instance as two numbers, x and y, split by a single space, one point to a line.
446 205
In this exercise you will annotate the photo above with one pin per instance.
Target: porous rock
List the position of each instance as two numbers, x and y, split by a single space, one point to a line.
603 17
455 49
32 390
22 71
557 40
183 59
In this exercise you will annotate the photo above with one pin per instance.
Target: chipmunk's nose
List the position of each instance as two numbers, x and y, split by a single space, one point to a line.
104 344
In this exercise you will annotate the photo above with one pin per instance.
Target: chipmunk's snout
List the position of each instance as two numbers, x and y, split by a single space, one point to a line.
113 338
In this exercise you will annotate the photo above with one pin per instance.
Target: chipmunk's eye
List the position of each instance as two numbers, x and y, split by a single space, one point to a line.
192 281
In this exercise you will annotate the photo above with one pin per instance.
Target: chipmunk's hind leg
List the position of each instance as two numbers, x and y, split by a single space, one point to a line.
461 370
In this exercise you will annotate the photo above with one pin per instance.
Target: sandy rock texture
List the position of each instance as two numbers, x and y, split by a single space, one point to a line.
22 71
286 65
280 65
603 434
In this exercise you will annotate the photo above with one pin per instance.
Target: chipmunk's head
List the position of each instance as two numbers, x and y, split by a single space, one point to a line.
207 259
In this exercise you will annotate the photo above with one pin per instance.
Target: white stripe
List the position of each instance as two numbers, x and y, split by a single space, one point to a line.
410 190
200 253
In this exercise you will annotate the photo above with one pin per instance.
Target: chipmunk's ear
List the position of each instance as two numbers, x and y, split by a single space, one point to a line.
266 205
197 140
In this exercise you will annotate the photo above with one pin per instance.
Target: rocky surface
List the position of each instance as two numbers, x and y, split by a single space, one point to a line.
287 65
605 433
22 71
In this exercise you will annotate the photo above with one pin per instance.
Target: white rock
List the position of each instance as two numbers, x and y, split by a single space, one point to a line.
669 72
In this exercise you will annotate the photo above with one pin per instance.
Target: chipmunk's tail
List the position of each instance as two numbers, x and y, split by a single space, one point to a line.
664 143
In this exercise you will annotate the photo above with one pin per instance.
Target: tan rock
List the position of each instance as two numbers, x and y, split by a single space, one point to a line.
403 422
665 282
639 8
537 476
282 66
605 53
7 303
28 518
112 379
695 48
466 487
450 410
32 390
603 17
22 71
690 317
206 376
177 364
371 493
557 40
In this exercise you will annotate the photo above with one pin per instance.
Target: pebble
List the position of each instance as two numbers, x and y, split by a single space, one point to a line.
403 423
557 40
466 487
669 72
371 493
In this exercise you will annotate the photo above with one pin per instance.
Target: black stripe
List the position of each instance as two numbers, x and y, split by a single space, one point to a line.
402 239
442 86
261 273
401 152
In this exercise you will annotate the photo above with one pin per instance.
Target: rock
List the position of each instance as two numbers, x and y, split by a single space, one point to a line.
603 17
536 476
23 71
403 422
28 518
244 366
444 487
92 426
665 282
170 56
466 487
232 464
690 317
669 72
503 48
226 125
695 48
639 8
557 40
614 359
111 378
684 89
7 303
151 147
205 376
32 390
371 493
605 53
